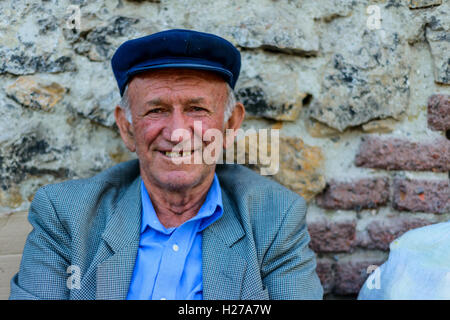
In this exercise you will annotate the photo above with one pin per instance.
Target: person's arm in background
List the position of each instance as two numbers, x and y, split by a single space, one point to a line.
418 267
45 259
289 266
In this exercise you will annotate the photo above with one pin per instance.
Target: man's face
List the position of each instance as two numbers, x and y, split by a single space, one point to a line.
163 101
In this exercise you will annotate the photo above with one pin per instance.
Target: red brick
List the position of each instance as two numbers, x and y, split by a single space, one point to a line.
356 195
421 196
398 154
329 236
380 233
351 275
439 112
325 272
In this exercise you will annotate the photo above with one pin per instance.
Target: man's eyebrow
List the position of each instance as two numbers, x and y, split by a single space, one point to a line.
195 100
155 102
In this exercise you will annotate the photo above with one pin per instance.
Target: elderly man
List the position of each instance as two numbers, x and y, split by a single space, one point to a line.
160 228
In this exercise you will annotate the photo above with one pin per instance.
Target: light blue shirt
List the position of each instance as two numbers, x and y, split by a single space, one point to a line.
169 260
418 267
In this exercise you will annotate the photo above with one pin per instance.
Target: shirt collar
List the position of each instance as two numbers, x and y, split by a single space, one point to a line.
210 211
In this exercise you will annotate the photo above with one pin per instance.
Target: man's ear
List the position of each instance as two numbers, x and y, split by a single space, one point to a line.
125 129
234 123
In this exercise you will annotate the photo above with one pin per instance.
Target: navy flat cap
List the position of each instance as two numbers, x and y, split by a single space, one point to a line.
176 49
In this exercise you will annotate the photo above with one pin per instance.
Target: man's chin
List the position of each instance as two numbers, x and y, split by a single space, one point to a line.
180 180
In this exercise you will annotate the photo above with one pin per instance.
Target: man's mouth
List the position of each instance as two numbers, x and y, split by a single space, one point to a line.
172 154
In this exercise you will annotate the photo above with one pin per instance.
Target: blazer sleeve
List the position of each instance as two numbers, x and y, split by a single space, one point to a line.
43 269
289 265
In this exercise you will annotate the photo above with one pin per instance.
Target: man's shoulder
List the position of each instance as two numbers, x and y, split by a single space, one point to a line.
429 239
82 196
116 176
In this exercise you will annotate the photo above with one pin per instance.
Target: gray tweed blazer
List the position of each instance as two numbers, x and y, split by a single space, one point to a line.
258 249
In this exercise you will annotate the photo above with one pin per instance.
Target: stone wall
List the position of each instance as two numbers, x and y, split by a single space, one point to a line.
358 89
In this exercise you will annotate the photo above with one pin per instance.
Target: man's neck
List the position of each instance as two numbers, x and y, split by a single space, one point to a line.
173 208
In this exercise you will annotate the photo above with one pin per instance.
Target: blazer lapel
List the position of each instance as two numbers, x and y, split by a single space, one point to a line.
223 267
122 236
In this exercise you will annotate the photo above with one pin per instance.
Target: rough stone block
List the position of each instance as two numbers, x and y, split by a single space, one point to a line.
31 92
325 272
415 4
421 196
439 112
328 236
356 195
300 165
380 233
437 35
398 154
351 275
14 229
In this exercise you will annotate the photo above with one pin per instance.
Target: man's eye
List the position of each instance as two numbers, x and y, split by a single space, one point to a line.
157 110
197 109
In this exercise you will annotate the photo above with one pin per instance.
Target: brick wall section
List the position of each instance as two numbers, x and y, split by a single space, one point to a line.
421 196
398 154
325 272
439 112
332 237
350 275
356 195
380 233
345 248
344 277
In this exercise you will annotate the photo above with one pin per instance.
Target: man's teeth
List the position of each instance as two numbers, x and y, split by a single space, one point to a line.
177 154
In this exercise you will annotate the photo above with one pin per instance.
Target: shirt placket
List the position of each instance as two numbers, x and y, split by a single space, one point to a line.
172 265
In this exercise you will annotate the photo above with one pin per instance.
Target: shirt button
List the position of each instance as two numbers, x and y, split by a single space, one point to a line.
175 248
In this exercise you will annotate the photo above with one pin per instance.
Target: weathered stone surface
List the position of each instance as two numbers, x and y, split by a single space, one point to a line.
100 109
99 41
300 165
266 24
380 233
437 34
366 76
19 61
256 104
356 195
421 196
319 130
379 126
274 86
27 156
351 275
327 236
414 4
398 154
32 92
325 272
439 112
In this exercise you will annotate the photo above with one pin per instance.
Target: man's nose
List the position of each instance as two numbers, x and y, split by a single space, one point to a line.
178 127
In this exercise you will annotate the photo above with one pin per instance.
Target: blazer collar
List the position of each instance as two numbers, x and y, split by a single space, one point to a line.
223 265
122 236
